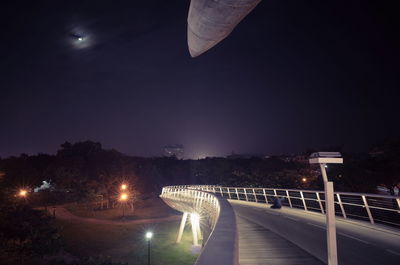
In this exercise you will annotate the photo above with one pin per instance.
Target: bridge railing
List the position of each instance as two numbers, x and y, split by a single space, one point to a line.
216 214
369 207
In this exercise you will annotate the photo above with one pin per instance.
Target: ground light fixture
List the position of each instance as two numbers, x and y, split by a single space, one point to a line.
324 158
195 220
149 236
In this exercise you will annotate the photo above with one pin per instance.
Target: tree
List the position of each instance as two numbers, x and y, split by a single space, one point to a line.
26 233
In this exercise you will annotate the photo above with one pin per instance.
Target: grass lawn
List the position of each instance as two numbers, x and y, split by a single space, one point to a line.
126 243
150 208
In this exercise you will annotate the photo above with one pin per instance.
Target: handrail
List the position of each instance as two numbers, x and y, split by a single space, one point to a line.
363 206
221 246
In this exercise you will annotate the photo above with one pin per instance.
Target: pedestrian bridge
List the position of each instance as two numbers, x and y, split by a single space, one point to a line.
237 226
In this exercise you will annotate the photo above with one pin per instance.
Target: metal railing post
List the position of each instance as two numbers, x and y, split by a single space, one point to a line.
220 190
255 196
320 203
229 194
265 196
304 201
341 205
371 219
245 194
237 194
288 196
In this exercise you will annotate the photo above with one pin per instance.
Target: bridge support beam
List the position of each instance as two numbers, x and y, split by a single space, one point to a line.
182 227
199 236
194 219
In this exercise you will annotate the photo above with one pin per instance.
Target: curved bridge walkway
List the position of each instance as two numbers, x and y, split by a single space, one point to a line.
259 245
289 236
246 230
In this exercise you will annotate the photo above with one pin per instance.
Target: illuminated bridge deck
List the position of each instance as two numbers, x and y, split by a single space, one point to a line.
292 236
260 246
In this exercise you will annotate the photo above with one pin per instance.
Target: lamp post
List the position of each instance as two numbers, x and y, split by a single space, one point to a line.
324 158
123 198
149 235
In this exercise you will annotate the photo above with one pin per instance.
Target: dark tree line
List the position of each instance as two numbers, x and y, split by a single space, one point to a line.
85 170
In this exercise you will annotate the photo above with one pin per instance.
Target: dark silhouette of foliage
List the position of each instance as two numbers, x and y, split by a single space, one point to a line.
89 261
26 233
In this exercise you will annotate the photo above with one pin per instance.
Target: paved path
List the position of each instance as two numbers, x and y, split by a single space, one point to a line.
359 243
64 214
261 246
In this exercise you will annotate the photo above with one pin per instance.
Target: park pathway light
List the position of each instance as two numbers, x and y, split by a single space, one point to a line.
149 235
22 193
123 197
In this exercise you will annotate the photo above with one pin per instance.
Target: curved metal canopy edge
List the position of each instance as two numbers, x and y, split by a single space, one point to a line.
211 21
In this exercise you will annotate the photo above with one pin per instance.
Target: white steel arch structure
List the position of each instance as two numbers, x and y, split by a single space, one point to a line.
212 218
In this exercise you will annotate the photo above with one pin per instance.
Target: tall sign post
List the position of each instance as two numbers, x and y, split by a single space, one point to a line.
324 158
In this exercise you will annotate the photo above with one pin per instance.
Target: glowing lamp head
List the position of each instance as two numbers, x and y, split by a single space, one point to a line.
123 197
149 235
22 193
124 187
304 179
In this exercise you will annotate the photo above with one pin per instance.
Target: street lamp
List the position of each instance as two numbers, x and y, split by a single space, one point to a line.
149 235
324 158
124 187
23 193
123 198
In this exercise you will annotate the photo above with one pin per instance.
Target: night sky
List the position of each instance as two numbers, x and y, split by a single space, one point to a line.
293 75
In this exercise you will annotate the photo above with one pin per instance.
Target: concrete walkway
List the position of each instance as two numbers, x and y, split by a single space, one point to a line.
358 242
260 246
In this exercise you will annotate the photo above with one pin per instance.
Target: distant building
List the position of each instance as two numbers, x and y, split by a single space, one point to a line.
176 150
375 152
296 158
